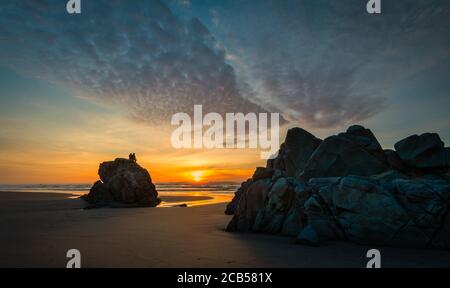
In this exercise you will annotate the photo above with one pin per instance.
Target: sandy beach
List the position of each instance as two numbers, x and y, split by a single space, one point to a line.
37 229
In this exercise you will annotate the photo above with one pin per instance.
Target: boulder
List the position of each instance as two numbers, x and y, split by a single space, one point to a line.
355 152
365 138
425 151
232 206
320 223
98 194
122 182
292 157
364 209
260 173
271 216
295 218
278 208
250 203
402 212
427 204
295 151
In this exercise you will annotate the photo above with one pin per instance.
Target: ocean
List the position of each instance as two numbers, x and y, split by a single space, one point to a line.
81 189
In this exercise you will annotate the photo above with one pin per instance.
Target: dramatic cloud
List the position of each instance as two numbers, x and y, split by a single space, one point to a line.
136 54
329 63
319 63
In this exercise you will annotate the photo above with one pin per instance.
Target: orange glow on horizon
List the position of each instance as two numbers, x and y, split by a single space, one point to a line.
75 154
197 176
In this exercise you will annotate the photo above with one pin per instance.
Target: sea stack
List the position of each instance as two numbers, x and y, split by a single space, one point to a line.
123 183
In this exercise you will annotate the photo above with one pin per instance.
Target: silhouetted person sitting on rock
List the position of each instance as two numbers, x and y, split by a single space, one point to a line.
132 157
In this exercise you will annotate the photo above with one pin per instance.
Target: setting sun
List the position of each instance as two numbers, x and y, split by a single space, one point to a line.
197 175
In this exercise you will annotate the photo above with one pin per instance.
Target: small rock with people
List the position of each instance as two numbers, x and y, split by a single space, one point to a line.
123 183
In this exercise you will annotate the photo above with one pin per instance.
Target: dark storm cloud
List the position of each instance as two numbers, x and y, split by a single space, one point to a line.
136 54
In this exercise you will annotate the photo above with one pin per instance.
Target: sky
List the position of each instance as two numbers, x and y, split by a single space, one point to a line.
76 90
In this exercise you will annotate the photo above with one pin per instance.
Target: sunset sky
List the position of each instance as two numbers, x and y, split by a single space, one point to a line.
76 90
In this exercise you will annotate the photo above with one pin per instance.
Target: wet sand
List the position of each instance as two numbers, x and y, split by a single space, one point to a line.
37 229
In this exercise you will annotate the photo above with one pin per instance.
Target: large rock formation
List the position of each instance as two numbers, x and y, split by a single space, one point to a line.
351 189
123 183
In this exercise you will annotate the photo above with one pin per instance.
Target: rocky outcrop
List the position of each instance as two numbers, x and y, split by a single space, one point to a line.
295 151
123 183
350 189
425 151
232 206
363 210
355 152
260 173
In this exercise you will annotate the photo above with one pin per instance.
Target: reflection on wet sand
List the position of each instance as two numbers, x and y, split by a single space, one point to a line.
173 199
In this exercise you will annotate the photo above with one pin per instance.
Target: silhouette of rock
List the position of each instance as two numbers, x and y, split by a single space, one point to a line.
425 151
351 189
99 194
291 159
355 152
271 216
295 151
260 173
232 206
249 205
123 183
